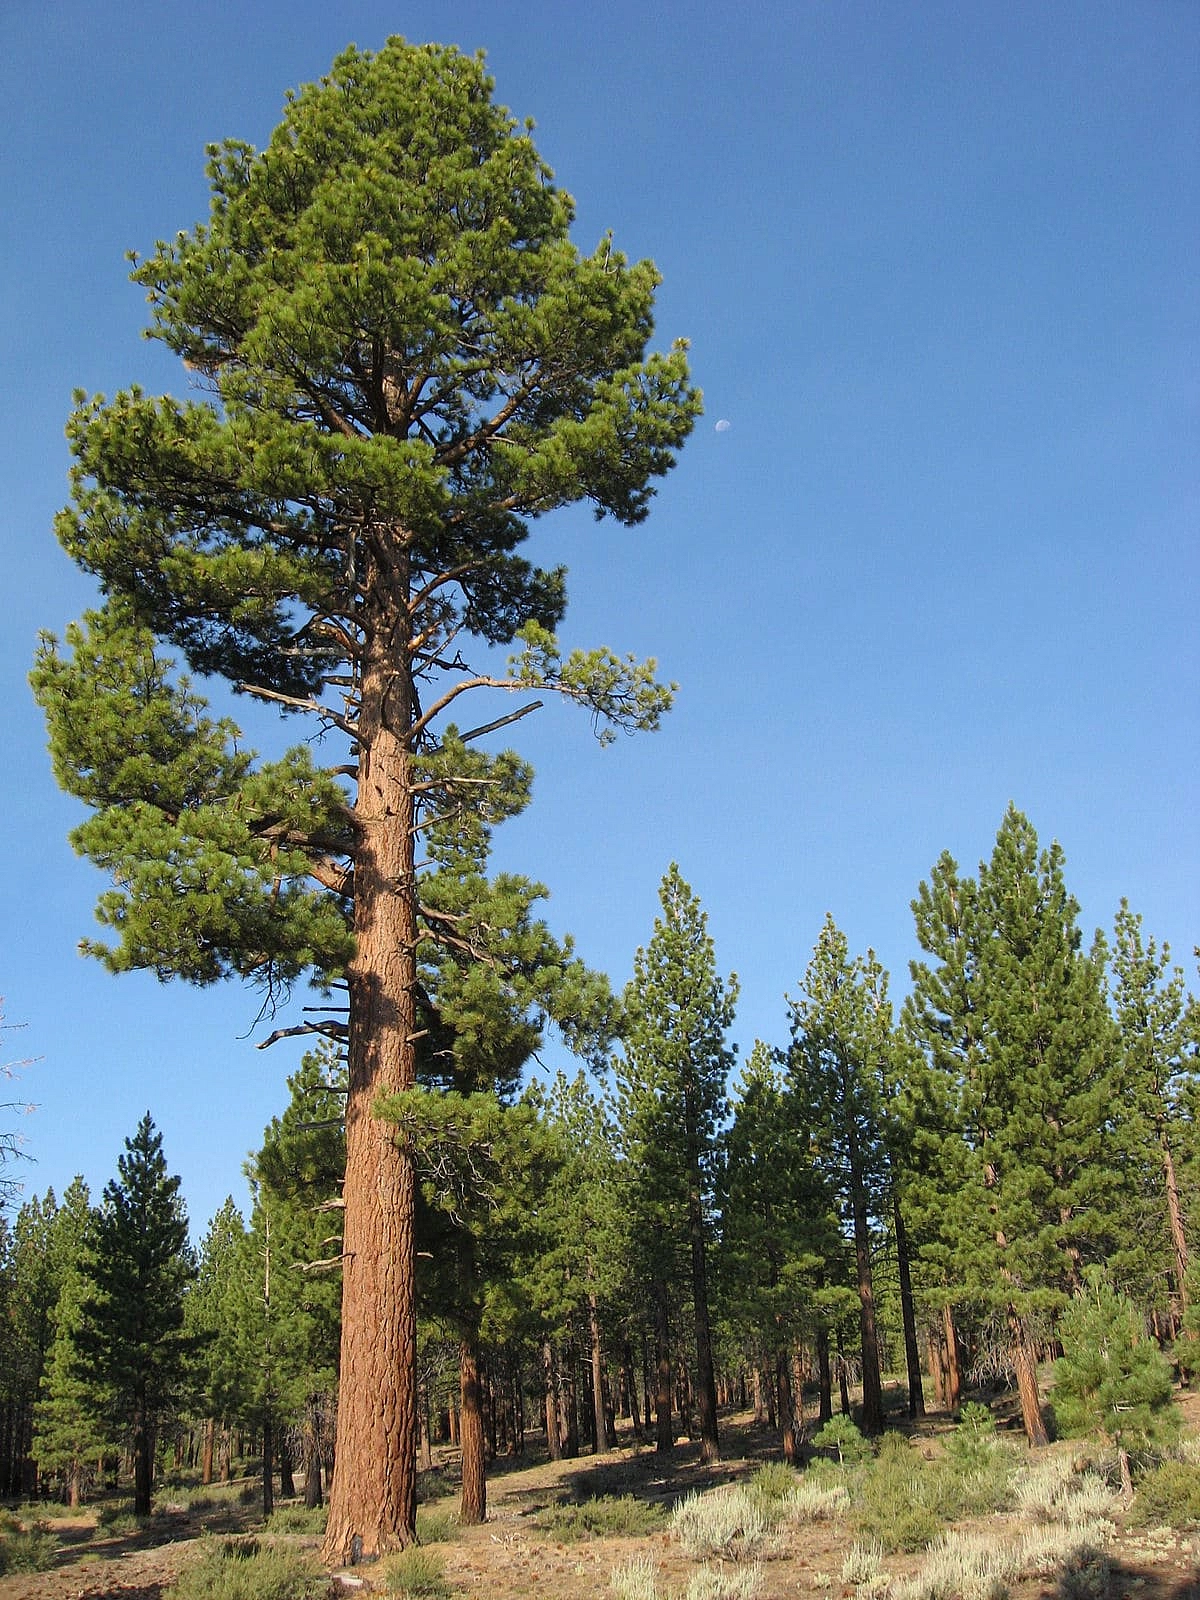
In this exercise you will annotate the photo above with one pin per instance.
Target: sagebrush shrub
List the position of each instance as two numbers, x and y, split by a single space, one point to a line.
729 1523
418 1574
724 1583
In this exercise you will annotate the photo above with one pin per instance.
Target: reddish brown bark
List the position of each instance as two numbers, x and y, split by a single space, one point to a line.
206 1450
473 1506
787 1408
1024 1360
372 1507
1175 1218
553 1436
953 1363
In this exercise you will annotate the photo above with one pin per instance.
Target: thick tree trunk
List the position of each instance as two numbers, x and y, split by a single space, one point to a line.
953 1363
553 1436
1025 1364
787 1407
75 1485
1175 1218
473 1508
600 1421
373 1503
287 1475
664 1431
908 1315
760 1409
206 1450
143 1463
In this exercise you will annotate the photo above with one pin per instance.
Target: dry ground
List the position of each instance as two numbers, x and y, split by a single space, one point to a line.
510 1559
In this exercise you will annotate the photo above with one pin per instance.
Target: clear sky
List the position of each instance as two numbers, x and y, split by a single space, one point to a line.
938 264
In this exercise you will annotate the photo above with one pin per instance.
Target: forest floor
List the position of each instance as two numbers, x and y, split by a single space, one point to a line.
510 1558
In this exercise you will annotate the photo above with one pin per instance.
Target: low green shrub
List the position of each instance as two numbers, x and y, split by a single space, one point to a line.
118 1518
608 1516
895 1499
299 1519
1168 1496
417 1573
249 1569
842 1441
28 1549
774 1480
435 1526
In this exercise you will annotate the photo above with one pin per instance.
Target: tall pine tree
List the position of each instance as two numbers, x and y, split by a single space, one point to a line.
672 1078
405 358
1011 1017
837 1070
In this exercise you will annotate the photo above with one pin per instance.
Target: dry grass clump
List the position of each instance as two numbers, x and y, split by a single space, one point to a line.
816 1498
1055 1490
635 1579
973 1566
724 1583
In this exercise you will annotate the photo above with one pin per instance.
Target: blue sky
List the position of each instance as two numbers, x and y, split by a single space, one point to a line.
938 266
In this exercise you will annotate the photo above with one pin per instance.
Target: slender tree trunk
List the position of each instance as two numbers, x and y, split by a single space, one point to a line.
787 1408
908 1315
760 1409
1025 1364
664 1431
553 1436
312 1456
800 1373
824 1379
600 1422
473 1508
424 1448
629 1381
206 1450
268 1466
843 1382
706 1383
872 1389
373 1503
75 1485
